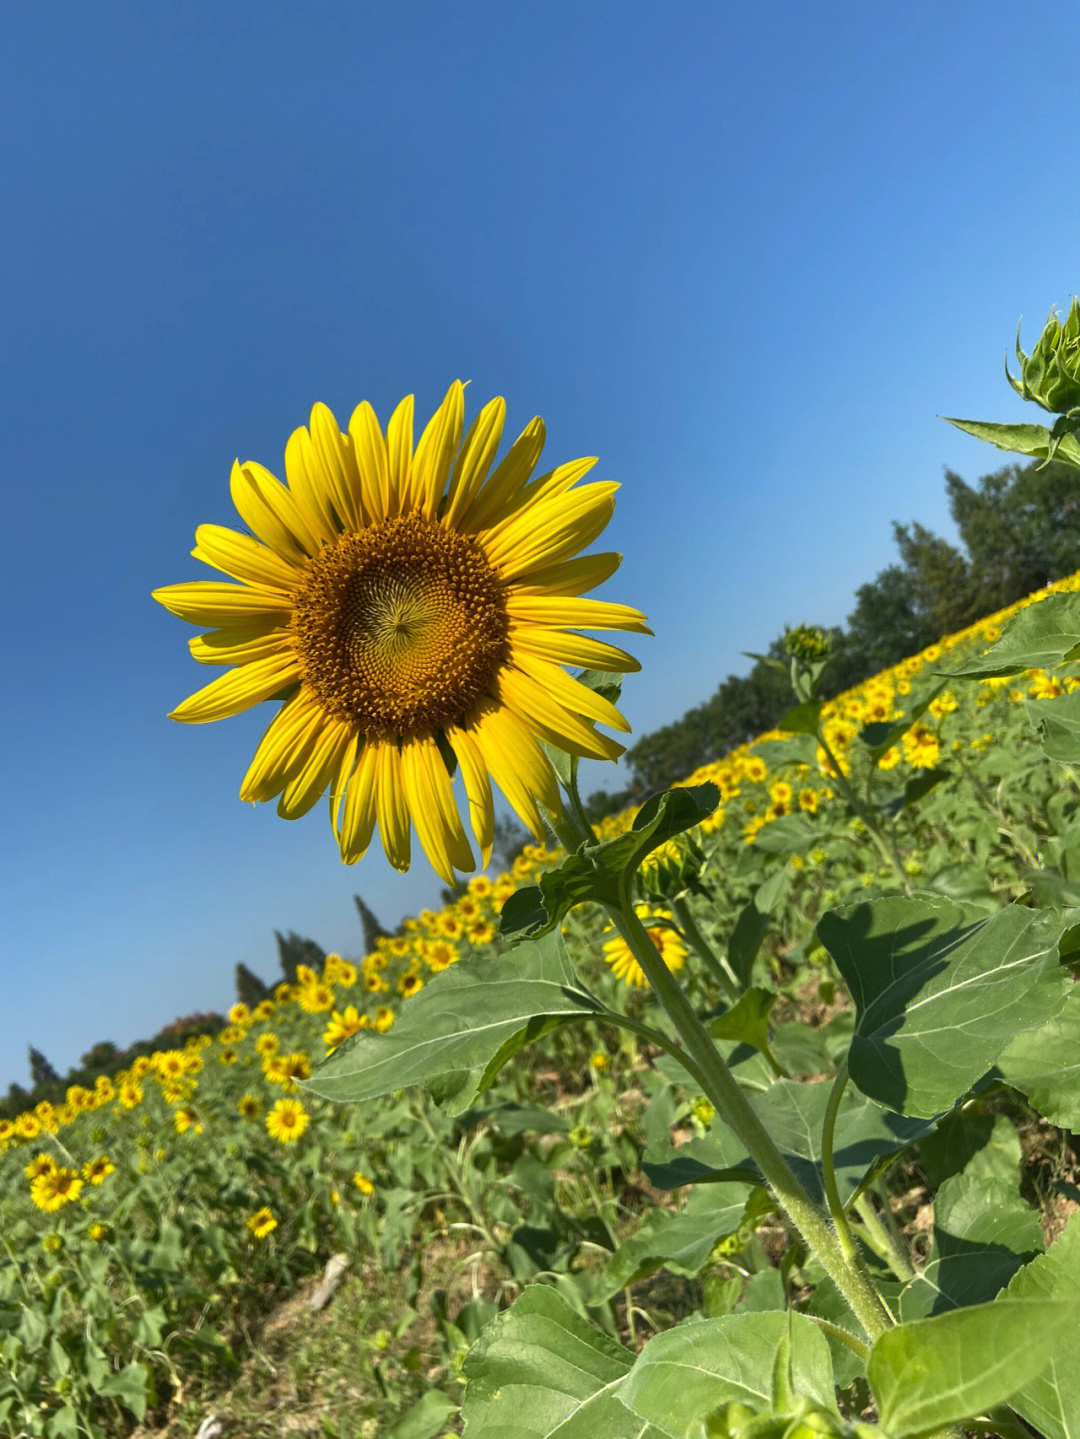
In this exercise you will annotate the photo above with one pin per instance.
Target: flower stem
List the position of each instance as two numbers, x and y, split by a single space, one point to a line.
828 1170
848 1274
881 1238
720 970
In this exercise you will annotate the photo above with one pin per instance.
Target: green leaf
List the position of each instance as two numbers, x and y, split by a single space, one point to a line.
685 1373
540 1369
1057 721
790 834
983 1233
941 990
752 924
425 1419
800 749
1050 1401
129 1386
932 1372
1032 440
456 1034
918 786
971 1140
682 1241
803 719
793 1113
747 1021
1044 1065
1040 636
592 874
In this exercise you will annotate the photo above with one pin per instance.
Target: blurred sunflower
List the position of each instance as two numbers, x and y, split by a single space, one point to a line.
412 611
668 943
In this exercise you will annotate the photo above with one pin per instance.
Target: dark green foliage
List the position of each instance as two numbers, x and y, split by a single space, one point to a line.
294 950
41 1071
250 989
1020 528
373 930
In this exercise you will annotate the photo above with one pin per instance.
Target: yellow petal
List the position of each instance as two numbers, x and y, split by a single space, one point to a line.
212 602
239 645
549 531
573 613
308 483
477 790
358 820
238 690
557 481
430 797
244 558
517 764
399 450
436 450
474 461
569 577
569 692
550 720
369 448
307 786
564 648
391 809
273 513
512 473
282 748
335 458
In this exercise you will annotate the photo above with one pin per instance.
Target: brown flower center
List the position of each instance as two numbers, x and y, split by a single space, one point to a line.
400 627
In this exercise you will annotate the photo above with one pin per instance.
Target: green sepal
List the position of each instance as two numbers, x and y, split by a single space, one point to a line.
593 872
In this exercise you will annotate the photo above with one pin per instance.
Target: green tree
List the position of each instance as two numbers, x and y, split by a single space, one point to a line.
1021 528
942 581
250 989
294 950
41 1071
373 930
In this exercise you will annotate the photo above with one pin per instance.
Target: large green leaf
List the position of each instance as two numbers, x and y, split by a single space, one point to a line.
1040 636
941 989
793 1113
983 1233
931 1372
541 1370
1050 1402
1032 440
593 872
685 1373
1044 1064
682 1241
456 1034
1058 723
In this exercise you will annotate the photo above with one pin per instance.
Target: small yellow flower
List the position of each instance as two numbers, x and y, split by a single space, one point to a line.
342 1024
239 1014
599 1060
55 1188
287 1121
185 1118
99 1232
248 1107
96 1171
315 998
262 1222
921 747
267 1044
384 1018
669 944
363 1183
40 1164
409 984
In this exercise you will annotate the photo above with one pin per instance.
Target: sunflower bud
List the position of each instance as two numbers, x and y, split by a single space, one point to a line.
1051 374
670 867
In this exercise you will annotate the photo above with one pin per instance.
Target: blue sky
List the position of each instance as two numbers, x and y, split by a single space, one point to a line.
745 253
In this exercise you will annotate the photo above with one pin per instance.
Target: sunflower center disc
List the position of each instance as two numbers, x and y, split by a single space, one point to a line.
400 627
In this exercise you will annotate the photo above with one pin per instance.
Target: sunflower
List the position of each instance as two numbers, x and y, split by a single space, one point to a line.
287 1121
668 943
262 1222
96 1171
54 1188
413 609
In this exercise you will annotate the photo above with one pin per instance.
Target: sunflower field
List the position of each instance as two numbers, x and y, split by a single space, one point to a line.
753 1111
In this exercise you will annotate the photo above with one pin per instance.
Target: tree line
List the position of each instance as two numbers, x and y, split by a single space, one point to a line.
1019 530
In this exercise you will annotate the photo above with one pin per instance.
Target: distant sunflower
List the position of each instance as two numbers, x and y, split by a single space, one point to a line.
262 1222
668 943
412 610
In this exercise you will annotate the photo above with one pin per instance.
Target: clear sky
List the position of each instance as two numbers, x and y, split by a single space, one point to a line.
746 253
